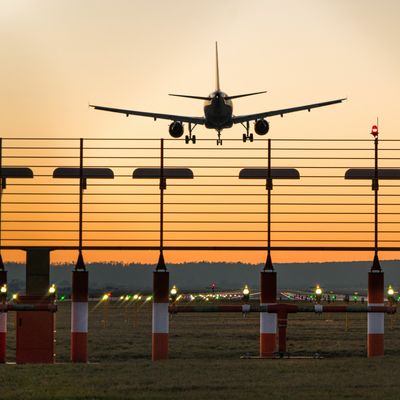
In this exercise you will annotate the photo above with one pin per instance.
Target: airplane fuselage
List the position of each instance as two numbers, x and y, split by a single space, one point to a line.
218 111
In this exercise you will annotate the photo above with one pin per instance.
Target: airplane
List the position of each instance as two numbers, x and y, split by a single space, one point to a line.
218 113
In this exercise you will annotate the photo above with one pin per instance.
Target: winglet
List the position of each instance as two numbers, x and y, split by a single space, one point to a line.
216 67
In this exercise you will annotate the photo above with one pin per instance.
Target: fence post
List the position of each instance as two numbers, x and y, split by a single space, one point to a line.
268 321
79 315
160 323
376 321
3 315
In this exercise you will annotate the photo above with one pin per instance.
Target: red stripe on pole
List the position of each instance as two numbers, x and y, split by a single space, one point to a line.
79 347
376 344
79 316
267 344
376 321
3 342
160 327
161 287
80 286
267 320
268 287
160 346
376 293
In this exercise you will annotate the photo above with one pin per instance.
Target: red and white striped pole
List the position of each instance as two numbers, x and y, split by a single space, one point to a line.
79 316
3 316
268 321
376 321
376 297
160 327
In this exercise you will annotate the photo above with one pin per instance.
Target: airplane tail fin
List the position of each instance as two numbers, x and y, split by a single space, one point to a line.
216 68
244 95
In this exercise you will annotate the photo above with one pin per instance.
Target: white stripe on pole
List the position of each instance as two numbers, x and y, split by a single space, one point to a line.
245 308
79 317
160 318
376 321
318 308
268 321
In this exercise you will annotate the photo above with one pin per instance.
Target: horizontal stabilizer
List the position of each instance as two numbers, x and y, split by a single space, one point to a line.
244 95
190 97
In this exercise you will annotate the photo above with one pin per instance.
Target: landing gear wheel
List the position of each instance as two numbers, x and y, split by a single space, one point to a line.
251 137
187 139
219 141
244 138
194 139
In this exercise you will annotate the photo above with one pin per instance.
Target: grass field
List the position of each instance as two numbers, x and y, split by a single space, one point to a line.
205 352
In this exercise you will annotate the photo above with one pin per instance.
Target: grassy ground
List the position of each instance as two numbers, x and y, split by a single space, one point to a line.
205 352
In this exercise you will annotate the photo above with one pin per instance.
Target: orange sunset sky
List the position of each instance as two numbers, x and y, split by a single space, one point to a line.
58 56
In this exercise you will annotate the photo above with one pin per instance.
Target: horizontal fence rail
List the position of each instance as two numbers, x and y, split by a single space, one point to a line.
213 211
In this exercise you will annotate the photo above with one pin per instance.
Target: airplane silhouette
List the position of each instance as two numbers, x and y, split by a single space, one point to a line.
218 113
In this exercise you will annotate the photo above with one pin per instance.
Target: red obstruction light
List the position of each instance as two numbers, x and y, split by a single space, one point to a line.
374 130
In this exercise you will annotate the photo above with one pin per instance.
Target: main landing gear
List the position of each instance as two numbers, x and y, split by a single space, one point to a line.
190 137
247 135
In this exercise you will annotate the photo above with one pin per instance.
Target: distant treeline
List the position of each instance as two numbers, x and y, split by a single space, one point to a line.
201 275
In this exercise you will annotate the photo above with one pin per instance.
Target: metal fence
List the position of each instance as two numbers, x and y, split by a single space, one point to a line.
215 210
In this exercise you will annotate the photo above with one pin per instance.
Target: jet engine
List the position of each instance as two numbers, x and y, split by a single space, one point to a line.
176 129
261 127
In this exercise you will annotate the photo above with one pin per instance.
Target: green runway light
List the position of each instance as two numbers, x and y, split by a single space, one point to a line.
62 298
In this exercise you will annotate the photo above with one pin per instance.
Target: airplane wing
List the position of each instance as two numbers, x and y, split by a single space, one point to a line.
171 117
252 117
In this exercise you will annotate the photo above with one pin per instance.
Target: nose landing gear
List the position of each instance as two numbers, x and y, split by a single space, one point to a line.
219 140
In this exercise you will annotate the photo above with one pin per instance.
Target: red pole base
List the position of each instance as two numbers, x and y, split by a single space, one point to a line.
79 348
267 320
376 321
79 316
160 346
267 345
376 345
160 325
3 342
